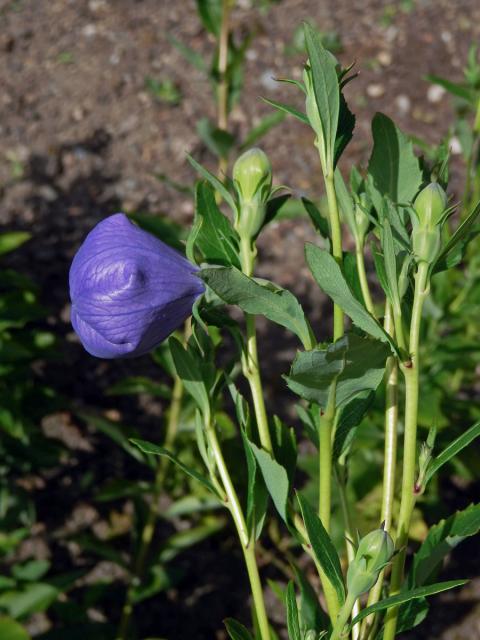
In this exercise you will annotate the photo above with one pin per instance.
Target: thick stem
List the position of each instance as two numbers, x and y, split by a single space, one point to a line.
257 591
362 275
343 617
389 464
336 238
408 496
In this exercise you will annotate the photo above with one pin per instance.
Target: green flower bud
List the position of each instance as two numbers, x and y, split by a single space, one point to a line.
374 552
430 205
252 175
426 243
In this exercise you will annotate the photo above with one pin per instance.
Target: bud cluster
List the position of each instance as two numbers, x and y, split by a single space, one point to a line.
429 215
374 552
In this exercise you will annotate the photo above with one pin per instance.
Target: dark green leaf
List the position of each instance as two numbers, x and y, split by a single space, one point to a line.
275 477
331 280
278 305
323 548
134 385
346 125
318 221
189 371
349 418
411 614
257 495
237 631
393 165
326 88
215 236
149 447
215 182
293 624
453 448
273 207
210 12
421 592
218 141
312 615
33 598
441 539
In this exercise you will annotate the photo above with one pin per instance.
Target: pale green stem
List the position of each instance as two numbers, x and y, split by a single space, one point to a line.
222 86
408 496
248 544
336 238
349 536
343 617
250 364
389 462
362 275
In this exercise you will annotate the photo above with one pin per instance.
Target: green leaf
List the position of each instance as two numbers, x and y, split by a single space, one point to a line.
349 417
273 207
218 141
441 539
452 252
190 373
11 630
133 385
116 432
453 448
210 12
345 201
323 548
318 221
312 615
331 280
149 447
12 240
215 236
30 571
293 624
278 305
191 56
458 90
421 592
393 165
390 263
215 182
411 614
326 88
275 477
346 125
33 598
288 109
262 128
237 631
257 495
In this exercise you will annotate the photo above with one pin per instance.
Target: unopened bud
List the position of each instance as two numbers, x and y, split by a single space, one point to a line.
252 175
374 552
430 204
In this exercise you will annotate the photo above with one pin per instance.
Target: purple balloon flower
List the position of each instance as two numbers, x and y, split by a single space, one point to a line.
129 290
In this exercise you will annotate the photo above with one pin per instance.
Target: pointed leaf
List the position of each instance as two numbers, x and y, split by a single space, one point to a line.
453 448
215 182
275 477
189 371
288 109
236 630
293 624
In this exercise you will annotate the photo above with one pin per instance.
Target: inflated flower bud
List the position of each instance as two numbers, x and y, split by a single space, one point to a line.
374 552
252 175
429 206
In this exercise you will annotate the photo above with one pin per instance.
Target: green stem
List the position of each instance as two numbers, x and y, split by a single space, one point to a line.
362 275
343 617
349 534
389 464
408 496
247 542
250 364
222 86
336 237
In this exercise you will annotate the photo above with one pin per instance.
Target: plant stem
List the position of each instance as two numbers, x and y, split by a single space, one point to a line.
389 464
343 617
222 86
349 534
247 542
250 364
362 274
408 496
336 238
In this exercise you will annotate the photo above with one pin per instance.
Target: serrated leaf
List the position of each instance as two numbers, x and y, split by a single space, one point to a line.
215 238
323 548
453 448
150 447
325 86
279 305
421 592
293 625
441 539
331 280
288 109
393 165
